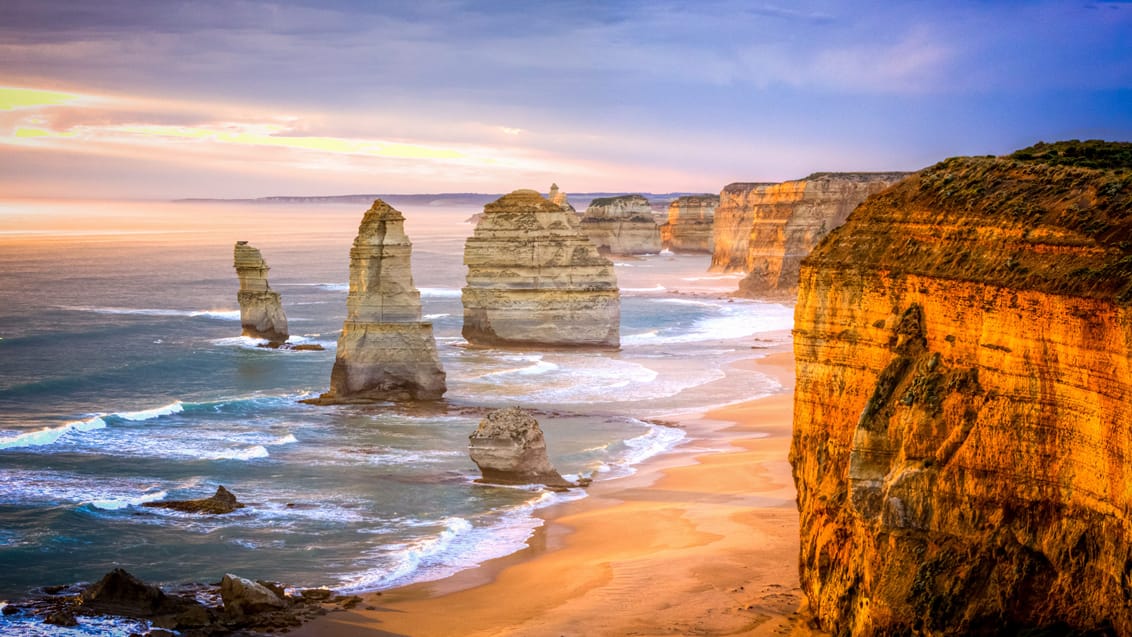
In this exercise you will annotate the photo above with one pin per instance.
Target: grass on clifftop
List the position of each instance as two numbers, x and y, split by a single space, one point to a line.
1053 217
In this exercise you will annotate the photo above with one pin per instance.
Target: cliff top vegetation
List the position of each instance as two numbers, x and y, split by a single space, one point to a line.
1053 217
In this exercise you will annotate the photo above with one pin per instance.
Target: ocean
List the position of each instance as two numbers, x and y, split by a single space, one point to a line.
124 380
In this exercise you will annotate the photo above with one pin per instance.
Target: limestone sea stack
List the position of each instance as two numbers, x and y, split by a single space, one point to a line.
509 448
385 351
535 280
622 225
261 310
690 224
558 198
962 442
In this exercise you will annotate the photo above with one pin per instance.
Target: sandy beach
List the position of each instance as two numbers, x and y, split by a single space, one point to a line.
702 541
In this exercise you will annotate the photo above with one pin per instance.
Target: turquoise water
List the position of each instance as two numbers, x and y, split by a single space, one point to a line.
124 380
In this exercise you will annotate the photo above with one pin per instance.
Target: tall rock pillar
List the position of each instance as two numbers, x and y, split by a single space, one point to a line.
261 311
385 351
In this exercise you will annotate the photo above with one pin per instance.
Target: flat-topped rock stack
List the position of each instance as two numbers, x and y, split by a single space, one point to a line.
261 309
622 225
509 448
690 224
534 279
385 351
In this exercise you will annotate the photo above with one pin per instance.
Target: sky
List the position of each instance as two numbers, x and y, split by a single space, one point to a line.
251 98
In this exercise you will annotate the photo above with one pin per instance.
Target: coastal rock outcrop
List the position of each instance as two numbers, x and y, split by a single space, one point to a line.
385 351
731 225
690 224
261 311
221 502
509 448
962 437
622 225
534 279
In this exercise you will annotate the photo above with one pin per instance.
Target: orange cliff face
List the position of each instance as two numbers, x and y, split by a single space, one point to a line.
690 222
963 433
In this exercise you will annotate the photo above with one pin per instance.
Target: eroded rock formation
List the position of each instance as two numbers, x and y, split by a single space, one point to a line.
731 227
622 225
385 351
962 433
509 448
261 311
221 502
792 218
690 224
534 279
558 198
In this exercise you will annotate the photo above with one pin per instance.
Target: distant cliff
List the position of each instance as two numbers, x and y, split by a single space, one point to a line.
690 224
962 438
766 229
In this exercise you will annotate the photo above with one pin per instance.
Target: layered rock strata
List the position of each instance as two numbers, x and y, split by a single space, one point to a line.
534 279
622 225
261 310
962 437
509 448
690 224
385 351
793 218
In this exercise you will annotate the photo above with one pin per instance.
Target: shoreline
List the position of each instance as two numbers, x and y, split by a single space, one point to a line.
702 539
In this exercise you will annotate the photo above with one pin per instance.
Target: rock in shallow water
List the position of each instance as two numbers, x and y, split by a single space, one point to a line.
534 279
509 448
261 309
385 351
223 501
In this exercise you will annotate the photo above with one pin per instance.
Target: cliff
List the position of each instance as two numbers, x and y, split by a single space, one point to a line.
690 224
261 309
385 352
534 279
789 220
962 434
622 225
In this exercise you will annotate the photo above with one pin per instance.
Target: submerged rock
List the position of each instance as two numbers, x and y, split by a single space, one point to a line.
261 310
622 225
534 279
219 503
385 351
509 448
962 438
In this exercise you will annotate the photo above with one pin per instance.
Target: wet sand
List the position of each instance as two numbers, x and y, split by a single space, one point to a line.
701 541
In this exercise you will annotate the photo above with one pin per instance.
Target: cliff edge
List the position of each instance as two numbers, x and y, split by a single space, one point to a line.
962 437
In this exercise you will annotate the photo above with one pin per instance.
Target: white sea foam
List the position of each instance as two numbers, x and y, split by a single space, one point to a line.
440 293
114 504
284 440
49 435
224 315
246 453
535 367
654 289
734 321
655 441
433 317
718 277
175 407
